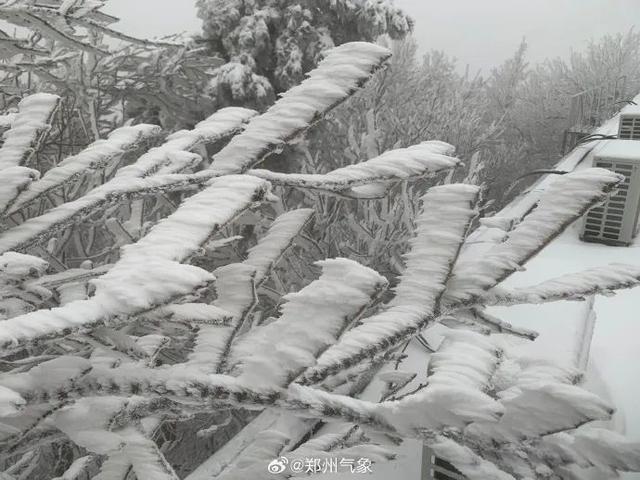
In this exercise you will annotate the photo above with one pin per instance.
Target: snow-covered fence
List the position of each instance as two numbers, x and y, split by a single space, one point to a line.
142 329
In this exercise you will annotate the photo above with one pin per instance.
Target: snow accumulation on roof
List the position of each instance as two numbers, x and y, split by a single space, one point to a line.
632 110
623 149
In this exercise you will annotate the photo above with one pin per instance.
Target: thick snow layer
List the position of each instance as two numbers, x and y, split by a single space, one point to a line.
19 266
614 353
41 228
31 123
149 272
13 181
441 229
275 353
236 284
51 376
7 120
88 422
401 164
572 286
98 155
221 124
464 359
76 469
560 204
280 236
343 70
622 149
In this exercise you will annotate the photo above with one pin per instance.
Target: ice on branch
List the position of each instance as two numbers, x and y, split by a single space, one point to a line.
99 155
37 230
343 70
236 288
18 293
14 181
149 272
419 160
224 123
465 359
566 200
29 128
7 119
447 212
279 351
575 286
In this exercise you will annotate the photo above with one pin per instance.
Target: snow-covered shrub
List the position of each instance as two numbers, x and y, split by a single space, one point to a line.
132 347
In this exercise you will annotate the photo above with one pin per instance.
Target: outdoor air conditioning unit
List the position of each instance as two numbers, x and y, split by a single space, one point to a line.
629 128
439 469
616 222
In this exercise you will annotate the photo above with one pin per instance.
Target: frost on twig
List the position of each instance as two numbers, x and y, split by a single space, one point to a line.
402 164
99 155
478 319
149 272
222 124
575 286
441 230
276 353
28 130
236 288
344 70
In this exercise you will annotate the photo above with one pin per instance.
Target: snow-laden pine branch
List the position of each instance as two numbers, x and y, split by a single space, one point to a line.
132 181
78 469
447 212
149 272
538 397
566 200
89 423
222 124
28 130
311 320
575 286
439 407
426 158
37 230
342 72
236 288
97 156
7 119
465 359
14 181
478 319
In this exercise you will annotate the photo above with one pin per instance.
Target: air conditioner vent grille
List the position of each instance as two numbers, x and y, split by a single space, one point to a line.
629 127
615 222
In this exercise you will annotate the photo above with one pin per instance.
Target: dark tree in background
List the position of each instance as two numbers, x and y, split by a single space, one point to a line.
268 45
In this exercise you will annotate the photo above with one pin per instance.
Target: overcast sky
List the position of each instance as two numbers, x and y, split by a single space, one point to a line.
481 33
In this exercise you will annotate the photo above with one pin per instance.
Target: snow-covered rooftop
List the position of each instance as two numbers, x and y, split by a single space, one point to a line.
632 110
619 149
